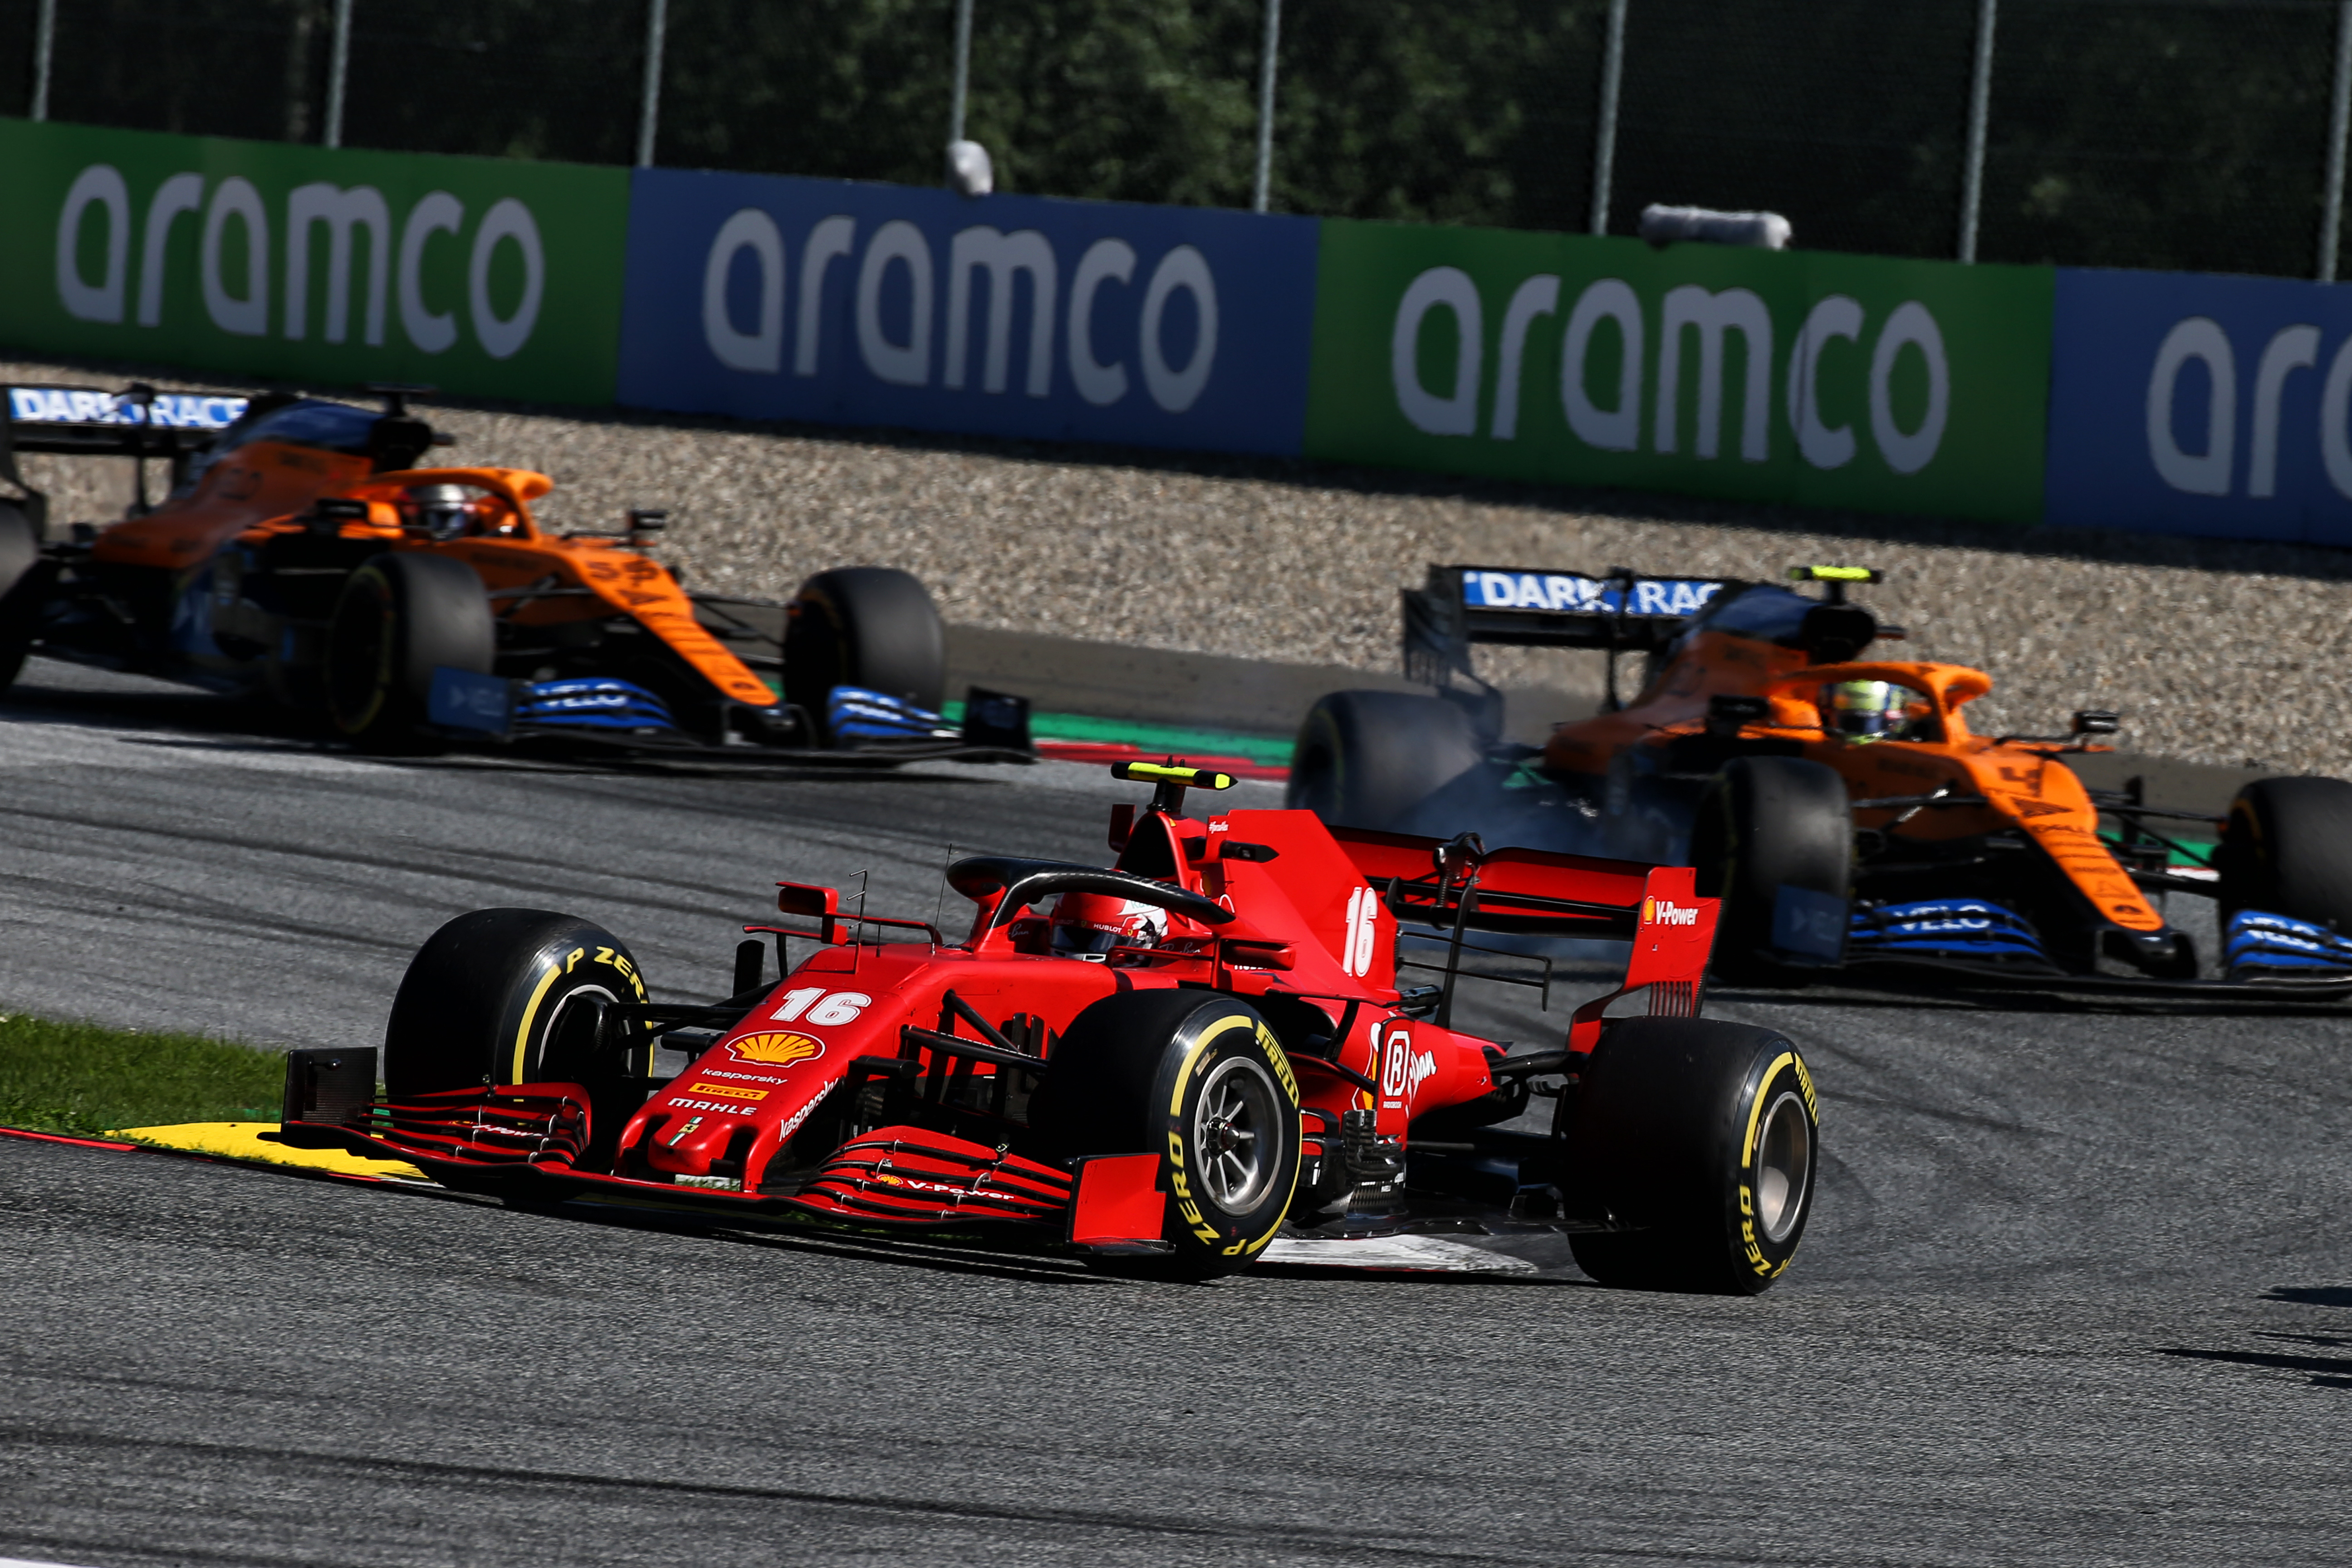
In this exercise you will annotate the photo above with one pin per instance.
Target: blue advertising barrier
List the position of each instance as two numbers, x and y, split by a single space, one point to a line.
2187 404
776 297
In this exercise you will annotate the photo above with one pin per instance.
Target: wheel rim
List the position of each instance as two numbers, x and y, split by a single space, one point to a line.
358 657
1784 1166
568 1040
1234 1134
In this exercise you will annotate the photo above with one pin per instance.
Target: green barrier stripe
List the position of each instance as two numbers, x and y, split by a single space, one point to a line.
2195 852
1164 738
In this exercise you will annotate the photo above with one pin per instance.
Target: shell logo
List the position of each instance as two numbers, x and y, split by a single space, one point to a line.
1649 910
776 1049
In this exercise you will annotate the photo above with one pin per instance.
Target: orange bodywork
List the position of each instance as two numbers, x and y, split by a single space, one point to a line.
2026 788
258 492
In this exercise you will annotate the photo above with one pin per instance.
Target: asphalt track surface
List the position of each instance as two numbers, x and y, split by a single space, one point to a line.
2077 1290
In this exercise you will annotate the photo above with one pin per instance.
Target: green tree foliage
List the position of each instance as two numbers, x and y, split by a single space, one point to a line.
2182 134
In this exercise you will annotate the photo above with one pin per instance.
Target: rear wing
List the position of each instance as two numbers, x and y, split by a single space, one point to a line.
1462 886
86 421
1617 612
1522 891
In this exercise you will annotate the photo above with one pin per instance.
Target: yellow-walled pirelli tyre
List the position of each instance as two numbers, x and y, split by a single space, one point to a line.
1702 1137
1199 1079
504 996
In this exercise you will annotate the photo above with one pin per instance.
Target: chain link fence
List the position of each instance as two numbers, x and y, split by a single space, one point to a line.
2191 134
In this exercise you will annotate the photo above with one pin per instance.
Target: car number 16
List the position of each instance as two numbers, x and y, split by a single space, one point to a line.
841 1008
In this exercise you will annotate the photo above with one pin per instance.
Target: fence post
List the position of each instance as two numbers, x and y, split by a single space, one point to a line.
45 41
1259 186
649 99
2339 111
962 70
1605 127
1979 113
339 67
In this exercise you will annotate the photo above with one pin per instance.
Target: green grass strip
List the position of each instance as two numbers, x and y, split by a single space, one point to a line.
1272 750
83 1079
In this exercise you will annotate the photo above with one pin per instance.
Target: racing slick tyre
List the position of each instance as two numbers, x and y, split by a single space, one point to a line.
21 582
1199 1079
1365 759
864 626
2286 849
1766 823
505 996
1704 1134
401 617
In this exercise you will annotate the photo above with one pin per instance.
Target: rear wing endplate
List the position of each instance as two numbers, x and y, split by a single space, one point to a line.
88 422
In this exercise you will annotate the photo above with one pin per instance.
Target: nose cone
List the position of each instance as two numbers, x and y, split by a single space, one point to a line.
685 1145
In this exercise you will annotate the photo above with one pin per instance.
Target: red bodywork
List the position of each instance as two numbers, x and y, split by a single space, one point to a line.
769 1116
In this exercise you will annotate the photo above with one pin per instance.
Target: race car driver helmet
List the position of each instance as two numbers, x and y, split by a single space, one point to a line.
1088 925
1865 711
437 511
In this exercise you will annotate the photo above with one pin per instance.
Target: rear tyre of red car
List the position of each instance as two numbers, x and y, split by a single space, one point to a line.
1199 1079
864 626
401 617
1762 824
2286 849
1365 759
23 580
505 996
1706 1136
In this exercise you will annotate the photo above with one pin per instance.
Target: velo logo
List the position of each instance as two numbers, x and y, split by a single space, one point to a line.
1658 911
1357 936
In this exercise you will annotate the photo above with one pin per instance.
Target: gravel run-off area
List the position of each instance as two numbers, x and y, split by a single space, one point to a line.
2213 651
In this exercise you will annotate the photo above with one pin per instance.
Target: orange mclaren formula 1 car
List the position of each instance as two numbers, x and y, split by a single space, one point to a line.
303 552
1194 1057
1838 804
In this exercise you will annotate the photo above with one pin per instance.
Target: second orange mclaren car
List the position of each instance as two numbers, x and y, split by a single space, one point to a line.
1839 804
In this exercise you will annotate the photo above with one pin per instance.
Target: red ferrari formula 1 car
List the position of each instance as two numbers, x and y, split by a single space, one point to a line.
1166 1064
303 553
1834 798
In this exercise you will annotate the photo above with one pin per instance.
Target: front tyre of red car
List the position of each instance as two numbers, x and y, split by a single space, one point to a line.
505 996
401 617
1200 1081
1702 1139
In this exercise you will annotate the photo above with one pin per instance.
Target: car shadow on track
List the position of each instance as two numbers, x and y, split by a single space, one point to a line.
141 713
2324 1371
2040 1002
1002 1258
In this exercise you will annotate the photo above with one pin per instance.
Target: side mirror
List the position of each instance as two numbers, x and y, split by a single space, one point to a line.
2096 722
643 520
1727 712
330 513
